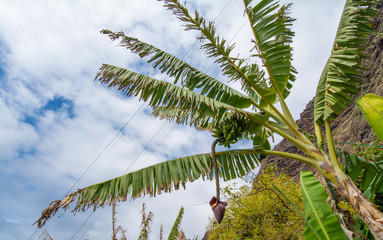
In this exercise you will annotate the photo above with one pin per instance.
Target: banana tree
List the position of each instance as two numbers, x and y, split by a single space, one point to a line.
203 102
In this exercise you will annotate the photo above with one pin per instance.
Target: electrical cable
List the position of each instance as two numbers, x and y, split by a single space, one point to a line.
86 172
235 35
144 148
105 150
93 222
34 233
82 225
360 144
158 144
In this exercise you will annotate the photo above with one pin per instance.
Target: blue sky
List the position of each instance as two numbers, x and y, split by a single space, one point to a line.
56 121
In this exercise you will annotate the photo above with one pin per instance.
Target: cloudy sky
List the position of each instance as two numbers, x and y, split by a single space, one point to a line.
60 130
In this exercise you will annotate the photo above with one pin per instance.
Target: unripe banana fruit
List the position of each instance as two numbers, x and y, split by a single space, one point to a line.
230 130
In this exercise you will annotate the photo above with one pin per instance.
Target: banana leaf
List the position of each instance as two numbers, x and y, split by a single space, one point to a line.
371 106
318 213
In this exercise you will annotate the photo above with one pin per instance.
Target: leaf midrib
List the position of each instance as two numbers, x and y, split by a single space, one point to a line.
314 211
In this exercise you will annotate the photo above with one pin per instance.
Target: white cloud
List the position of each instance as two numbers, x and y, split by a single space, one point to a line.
17 136
54 49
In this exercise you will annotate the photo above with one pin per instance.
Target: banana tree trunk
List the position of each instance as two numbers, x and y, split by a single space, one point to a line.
362 205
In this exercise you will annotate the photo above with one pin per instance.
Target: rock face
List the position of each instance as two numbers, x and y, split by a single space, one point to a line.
350 126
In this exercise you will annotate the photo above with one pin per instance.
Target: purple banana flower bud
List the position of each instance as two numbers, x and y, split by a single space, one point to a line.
218 208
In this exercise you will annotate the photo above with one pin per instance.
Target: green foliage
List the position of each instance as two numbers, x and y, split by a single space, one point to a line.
189 77
368 174
145 224
175 232
308 224
261 142
261 212
365 168
158 93
317 212
371 106
272 34
158 178
372 152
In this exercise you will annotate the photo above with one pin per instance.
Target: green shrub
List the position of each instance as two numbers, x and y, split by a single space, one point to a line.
260 212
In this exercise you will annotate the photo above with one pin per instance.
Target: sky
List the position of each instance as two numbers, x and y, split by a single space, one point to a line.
60 130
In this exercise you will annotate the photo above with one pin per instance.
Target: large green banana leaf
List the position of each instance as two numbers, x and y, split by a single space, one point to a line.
372 109
162 93
324 224
339 77
158 178
307 222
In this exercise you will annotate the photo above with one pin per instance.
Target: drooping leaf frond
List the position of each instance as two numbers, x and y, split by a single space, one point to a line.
190 77
176 226
272 37
155 179
339 77
158 93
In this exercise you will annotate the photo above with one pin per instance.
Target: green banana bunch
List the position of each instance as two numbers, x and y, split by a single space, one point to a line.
230 130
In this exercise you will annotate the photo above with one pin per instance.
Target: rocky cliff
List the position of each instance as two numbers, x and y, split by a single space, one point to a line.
350 126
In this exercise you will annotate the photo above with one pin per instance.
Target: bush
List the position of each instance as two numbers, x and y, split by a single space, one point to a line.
261 212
